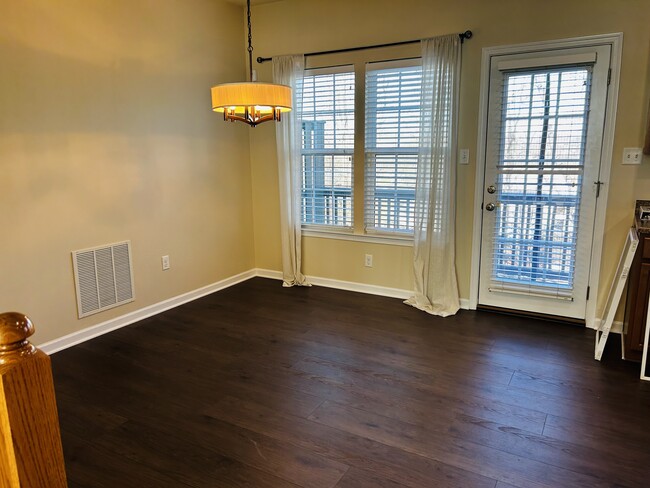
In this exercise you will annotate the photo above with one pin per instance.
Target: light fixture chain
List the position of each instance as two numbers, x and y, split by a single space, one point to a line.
250 41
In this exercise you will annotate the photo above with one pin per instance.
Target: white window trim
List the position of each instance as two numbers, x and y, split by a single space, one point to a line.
395 63
615 40
347 234
370 66
328 70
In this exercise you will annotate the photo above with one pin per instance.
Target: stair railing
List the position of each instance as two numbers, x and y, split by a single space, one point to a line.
31 455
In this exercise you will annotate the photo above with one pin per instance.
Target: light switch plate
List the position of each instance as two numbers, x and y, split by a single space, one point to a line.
464 156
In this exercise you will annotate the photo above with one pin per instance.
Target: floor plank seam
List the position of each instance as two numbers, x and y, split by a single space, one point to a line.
458 466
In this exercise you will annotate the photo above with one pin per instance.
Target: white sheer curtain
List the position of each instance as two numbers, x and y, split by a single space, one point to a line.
288 70
436 288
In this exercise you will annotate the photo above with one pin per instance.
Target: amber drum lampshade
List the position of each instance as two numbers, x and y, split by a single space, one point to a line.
251 102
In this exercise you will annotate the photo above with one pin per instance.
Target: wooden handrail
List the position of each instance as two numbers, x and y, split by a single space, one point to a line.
30 441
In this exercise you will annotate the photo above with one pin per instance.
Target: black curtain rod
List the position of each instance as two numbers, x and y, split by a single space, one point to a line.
463 35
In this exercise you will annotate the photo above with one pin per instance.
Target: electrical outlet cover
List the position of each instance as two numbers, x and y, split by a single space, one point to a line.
632 155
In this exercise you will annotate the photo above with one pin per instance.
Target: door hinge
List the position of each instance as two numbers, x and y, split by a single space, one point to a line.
609 76
588 288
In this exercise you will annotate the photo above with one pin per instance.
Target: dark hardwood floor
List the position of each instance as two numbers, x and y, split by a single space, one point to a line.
262 386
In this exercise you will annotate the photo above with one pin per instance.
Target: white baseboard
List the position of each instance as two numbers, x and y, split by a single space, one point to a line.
268 273
96 330
343 285
383 291
88 333
360 287
617 326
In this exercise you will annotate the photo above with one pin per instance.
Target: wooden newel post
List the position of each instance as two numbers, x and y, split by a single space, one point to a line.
30 441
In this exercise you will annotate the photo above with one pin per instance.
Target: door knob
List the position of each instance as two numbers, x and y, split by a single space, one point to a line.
490 206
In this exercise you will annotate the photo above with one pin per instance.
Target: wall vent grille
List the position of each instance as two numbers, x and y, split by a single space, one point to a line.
104 277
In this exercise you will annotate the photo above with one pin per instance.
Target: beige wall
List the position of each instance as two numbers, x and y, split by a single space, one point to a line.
106 134
292 26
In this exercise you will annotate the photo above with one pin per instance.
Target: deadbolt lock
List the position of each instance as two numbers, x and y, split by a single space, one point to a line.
491 189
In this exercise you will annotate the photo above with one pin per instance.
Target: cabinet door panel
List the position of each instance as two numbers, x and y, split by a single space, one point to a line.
645 245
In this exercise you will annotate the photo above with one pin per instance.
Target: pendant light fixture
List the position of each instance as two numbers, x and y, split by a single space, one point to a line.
251 102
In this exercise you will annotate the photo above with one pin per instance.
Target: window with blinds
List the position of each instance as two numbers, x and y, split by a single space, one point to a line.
328 147
391 145
540 168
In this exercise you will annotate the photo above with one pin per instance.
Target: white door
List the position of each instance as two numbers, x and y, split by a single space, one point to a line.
545 125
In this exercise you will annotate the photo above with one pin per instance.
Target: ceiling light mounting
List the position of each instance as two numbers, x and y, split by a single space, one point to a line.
251 102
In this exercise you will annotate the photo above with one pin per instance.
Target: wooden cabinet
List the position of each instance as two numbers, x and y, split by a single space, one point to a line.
636 308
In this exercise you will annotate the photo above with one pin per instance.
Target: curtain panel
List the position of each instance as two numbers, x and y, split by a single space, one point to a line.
288 70
436 287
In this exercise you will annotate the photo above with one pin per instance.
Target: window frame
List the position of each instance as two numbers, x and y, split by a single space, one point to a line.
397 151
333 228
406 55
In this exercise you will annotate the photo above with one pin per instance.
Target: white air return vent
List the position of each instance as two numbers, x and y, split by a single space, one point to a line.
104 277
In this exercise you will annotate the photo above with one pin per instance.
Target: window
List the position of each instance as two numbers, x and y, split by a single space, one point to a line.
389 143
391 146
327 147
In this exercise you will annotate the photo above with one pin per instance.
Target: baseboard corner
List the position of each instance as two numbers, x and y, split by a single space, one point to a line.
102 328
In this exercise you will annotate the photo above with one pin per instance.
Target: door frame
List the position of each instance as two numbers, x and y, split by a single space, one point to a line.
615 40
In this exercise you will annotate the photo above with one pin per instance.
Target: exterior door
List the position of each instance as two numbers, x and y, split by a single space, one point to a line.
545 124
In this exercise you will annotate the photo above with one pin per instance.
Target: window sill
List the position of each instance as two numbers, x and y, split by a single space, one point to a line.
406 241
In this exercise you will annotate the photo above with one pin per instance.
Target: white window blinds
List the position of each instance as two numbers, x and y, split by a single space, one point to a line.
327 147
391 145
540 167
